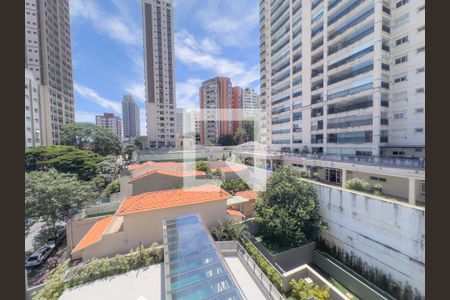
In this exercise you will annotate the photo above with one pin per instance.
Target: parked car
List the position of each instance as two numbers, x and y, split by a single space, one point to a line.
39 256
60 236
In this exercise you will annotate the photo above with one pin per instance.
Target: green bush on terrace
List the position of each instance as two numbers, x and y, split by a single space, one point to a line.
95 269
264 265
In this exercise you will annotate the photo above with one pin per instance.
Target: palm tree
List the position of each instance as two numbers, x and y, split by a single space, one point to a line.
240 135
229 230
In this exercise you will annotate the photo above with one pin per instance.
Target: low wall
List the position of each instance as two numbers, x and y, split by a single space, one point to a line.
351 282
293 258
77 229
386 234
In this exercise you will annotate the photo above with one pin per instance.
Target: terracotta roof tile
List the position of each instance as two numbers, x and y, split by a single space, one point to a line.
180 173
236 213
171 198
248 194
168 164
94 234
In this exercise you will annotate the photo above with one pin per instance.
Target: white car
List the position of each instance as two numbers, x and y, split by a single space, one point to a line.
39 256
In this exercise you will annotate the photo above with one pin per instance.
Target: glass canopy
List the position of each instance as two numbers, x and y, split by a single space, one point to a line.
193 265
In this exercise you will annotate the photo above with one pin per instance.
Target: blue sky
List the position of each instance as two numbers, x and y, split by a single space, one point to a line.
212 38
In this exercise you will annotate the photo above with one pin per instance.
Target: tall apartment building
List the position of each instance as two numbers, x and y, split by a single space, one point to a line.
215 112
158 23
344 77
250 102
111 122
131 118
32 111
180 117
48 56
237 99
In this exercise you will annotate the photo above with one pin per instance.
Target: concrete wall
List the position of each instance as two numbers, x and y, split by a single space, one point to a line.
395 186
147 227
386 234
293 258
77 229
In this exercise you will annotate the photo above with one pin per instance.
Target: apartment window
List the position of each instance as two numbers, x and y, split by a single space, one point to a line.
419 110
401 3
421 28
400 78
401 40
420 70
380 179
420 90
399 115
401 59
421 49
422 188
419 130
401 21
333 175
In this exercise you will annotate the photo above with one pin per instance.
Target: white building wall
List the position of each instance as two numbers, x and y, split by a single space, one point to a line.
387 235
33 136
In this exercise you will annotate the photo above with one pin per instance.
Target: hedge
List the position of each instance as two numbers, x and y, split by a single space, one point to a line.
63 277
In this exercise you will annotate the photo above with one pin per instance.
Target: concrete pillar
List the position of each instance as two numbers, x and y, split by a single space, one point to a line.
271 164
343 176
412 191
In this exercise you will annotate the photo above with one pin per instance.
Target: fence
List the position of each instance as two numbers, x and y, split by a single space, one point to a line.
231 248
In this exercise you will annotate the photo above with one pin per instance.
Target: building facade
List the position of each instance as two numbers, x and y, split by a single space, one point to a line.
32 111
131 119
250 102
111 122
237 105
48 56
215 112
344 77
159 72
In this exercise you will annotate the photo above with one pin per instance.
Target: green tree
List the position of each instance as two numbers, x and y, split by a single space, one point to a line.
226 140
235 185
240 136
357 184
108 170
229 230
65 159
303 290
128 151
52 197
288 210
140 142
249 127
202 166
86 136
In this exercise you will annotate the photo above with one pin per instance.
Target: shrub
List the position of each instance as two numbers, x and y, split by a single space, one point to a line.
113 187
235 185
357 184
229 230
202 166
303 172
303 290
377 188
95 269
265 266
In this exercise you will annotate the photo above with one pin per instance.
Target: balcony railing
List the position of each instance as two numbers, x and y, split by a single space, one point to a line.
351 91
351 24
350 41
348 124
352 74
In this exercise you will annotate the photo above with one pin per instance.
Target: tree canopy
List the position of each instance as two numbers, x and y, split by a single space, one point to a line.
234 185
288 211
86 136
240 136
65 159
52 197
249 127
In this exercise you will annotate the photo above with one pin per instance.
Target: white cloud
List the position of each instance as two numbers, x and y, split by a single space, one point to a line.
119 27
91 95
233 25
187 93
189 50
84 116
137 90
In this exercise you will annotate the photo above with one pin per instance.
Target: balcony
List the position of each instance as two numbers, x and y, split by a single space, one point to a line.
350 41
351 91
351 24
346 75
316 98
351 58
349 123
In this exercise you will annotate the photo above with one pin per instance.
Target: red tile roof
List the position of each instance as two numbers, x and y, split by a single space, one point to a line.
94 234
248 194
168 164
236 213
180 173
171 198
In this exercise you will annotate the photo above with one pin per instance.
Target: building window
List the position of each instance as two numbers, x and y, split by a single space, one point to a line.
401 60
419 130
401 40
333 175
421 49
401 21
420 70
399 115
401 3
400 79
380 179
421 8
422 188
419 110
420 90
421 28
